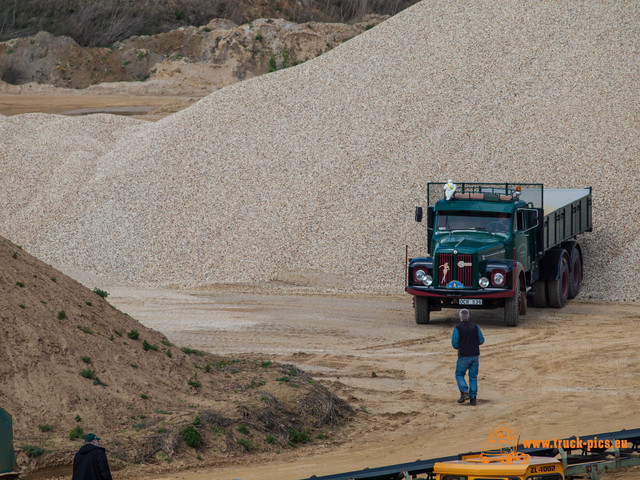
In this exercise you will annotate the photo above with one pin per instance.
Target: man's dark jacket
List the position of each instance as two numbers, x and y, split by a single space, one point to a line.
90 463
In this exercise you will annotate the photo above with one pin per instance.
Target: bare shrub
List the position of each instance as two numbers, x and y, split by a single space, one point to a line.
325 407
93 23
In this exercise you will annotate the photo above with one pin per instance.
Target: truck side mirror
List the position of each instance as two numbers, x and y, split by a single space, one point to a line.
430 217
418 214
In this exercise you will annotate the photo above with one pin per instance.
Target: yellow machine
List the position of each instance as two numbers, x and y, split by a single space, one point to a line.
481 468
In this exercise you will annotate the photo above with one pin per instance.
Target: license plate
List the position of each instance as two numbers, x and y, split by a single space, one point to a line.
470 301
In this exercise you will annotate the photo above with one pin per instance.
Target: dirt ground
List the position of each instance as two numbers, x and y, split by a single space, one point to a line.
144 107
563 372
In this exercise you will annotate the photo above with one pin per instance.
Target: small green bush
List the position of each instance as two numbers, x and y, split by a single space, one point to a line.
54 280
144 396
147 346
85 329
86 359
15 255
272 63
88 373
191 351
165 342
244 429
76 432
62 315
192 437
22 305
271 439
194 382
169 354
99 383
133 334
296 436
45 428
20 284
101 293
246 444
197 421
78 418
32 450
88 303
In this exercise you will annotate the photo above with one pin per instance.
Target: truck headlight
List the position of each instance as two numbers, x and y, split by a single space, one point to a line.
498 279
483 282
420 275
427 281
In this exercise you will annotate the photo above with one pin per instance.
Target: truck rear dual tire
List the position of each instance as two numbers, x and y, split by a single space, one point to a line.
423 314
575 273
558 289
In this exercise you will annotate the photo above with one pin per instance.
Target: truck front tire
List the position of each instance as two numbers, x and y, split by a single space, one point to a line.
558 290
512 308
423 314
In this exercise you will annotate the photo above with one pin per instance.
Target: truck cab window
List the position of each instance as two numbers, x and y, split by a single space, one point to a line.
520 220
494 222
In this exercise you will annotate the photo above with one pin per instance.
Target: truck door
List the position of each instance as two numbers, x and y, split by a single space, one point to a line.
524 238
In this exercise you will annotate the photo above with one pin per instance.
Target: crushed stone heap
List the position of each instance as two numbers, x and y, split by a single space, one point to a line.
310 174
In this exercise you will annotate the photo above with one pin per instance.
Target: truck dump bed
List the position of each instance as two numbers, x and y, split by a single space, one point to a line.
567 213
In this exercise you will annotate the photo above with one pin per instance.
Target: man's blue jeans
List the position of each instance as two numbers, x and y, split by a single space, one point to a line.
462 365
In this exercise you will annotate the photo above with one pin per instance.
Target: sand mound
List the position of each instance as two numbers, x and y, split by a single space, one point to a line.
312 173
69 360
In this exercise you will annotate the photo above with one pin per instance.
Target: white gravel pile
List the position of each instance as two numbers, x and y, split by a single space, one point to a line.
310 175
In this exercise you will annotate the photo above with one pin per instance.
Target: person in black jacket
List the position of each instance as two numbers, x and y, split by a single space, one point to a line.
90 463
467 338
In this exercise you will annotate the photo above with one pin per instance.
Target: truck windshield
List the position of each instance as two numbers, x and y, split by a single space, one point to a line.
493 222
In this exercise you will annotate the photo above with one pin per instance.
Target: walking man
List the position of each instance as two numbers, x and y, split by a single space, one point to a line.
467 338
90 463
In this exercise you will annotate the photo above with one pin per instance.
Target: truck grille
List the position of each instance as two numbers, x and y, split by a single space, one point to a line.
465 270
461 264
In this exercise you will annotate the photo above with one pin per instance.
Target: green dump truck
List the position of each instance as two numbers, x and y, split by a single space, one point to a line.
8 465
496 245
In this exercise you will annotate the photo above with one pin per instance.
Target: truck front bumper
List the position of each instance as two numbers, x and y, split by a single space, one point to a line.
446 298
452 293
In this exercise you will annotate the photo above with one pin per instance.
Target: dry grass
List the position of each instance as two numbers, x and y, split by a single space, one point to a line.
93 23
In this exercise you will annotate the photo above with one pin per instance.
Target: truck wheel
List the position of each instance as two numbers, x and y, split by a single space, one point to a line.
575 273
539 299
422 310
512 308
522 303
558 290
